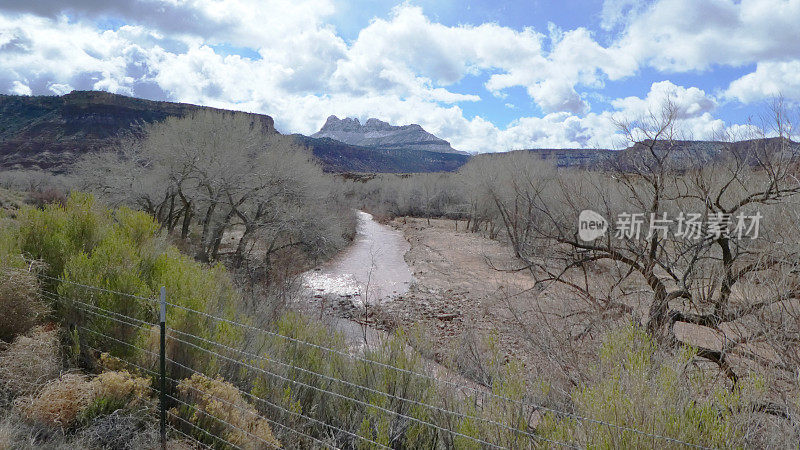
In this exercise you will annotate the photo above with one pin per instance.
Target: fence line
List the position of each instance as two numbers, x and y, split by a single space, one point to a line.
200 373
482 392
156 374
303 384
343 397
353 385
336 394
218 398
443 381
273 405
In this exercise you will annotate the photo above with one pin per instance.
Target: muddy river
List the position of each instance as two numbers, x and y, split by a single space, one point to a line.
371 270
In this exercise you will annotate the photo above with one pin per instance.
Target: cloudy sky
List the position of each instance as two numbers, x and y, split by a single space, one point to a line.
485 75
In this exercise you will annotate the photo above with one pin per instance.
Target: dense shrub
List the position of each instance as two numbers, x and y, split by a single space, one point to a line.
121 250
633 387
113 391
56 233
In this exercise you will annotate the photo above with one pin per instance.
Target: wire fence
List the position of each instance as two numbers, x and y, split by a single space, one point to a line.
389 402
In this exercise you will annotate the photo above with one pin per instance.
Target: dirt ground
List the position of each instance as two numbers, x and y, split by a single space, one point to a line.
466 289
462 290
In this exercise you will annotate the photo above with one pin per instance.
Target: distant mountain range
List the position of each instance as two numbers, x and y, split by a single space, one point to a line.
339 157
379 134
52 132
683 154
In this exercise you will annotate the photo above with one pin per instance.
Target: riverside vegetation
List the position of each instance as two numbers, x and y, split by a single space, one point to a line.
695 341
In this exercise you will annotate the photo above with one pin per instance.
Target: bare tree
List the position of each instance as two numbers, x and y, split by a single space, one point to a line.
218 175
717 282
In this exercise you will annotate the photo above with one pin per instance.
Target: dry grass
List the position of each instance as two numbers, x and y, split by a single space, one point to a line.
181 444
20 302
120 430
59 402
120 386
30 362
7 435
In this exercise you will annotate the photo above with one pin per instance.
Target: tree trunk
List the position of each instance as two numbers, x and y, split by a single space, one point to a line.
207 224
187 220
219 233
658 320
242 245
171 220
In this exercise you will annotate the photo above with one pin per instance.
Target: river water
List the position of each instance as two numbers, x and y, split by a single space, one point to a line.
371 270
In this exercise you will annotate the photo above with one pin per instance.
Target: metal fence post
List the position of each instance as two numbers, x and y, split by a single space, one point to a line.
163 367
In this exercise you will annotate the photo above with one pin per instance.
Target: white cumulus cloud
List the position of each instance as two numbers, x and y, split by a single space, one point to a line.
405 67
769 79
682 35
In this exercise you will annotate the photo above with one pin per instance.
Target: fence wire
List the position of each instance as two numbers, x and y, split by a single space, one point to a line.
209 394
137 322
481 392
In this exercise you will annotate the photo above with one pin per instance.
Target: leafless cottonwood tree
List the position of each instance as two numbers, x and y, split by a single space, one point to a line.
490 188
214 173
742 291
423 194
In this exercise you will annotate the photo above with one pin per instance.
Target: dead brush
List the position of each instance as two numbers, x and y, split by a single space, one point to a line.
120 385
217 403
30 362
19 300
74 398
8 435
123 430
59 402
